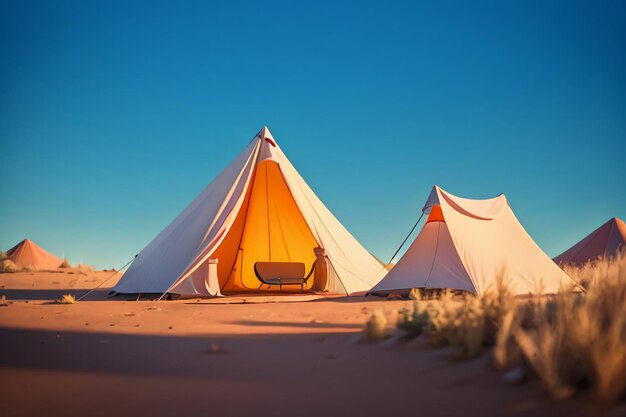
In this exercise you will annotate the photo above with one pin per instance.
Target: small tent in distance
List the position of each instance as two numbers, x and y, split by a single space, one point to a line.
256 224
467 245
604 242
27 254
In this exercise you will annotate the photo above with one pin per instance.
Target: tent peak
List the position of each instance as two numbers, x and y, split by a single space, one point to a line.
26 242
266 135
615 223
432 199
618 224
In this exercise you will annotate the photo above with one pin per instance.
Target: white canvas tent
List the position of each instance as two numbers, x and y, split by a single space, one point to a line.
465 244
258 209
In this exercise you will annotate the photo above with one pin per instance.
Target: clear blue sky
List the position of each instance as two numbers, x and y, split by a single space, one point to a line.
115 115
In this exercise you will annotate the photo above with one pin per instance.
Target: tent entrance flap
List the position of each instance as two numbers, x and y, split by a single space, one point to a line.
268 228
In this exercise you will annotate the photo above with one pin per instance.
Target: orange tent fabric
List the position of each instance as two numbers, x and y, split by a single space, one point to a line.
270 228
436 215
28 254
605 241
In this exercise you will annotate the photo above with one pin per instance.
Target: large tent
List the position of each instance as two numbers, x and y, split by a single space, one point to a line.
259 209
466 245
606 241
27 254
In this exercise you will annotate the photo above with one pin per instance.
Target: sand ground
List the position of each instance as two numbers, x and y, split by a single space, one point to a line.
244 355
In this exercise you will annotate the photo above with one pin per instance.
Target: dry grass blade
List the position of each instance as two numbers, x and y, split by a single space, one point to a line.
505 352
542 349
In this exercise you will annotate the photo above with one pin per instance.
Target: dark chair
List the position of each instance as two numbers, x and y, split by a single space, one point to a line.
282 273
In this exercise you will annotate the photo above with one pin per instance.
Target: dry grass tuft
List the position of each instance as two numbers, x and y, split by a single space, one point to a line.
375 328
571 341
463 321
65 264
67 299
413 322
8 266
466 332
574 340
541 344
506 353
598 271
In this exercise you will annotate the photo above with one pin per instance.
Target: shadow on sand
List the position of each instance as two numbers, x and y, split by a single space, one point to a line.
273 373
306 325
54 294
152 355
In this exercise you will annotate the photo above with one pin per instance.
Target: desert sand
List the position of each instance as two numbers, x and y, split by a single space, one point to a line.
239 355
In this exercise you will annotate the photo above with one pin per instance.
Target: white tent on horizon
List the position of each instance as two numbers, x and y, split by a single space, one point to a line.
259 209
467 245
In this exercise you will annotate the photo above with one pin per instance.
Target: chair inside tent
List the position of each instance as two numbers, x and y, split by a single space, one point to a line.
268 228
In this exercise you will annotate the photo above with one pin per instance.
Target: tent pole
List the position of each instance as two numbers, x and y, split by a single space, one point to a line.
401 245
406 238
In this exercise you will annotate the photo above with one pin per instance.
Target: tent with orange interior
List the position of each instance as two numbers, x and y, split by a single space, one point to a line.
604 242
27 254
468 245
257 227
